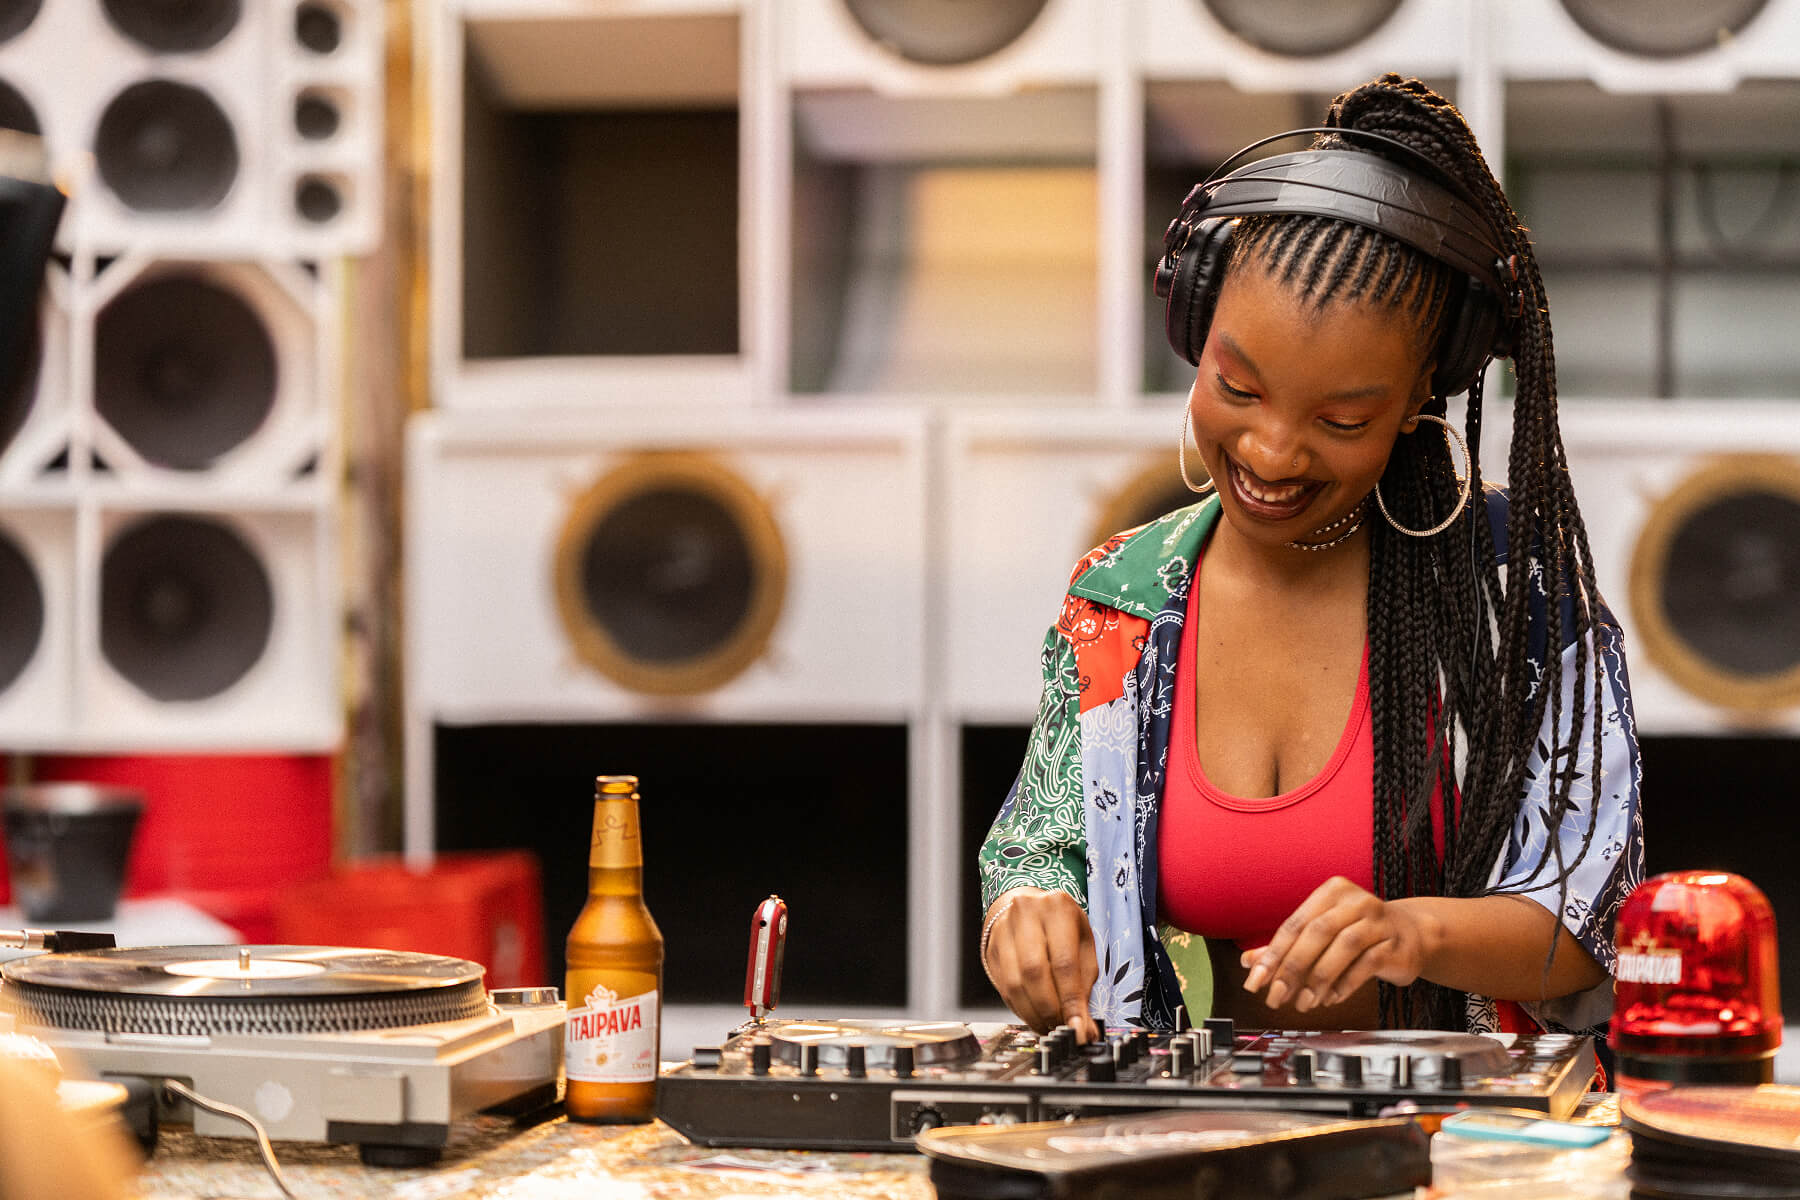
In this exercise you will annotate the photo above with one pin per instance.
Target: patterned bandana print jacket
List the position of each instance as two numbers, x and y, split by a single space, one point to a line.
1082 816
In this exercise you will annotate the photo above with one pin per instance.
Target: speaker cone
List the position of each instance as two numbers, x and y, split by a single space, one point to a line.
184 370
943 33
16 111
166 147
1153 489
21 612
669 574
1302 28
1715 583
318 27
1662 28
186 607
16 17
175 26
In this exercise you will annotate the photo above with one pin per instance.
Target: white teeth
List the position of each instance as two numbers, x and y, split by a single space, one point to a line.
1268 495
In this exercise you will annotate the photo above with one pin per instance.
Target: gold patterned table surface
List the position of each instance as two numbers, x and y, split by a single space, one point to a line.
489 1158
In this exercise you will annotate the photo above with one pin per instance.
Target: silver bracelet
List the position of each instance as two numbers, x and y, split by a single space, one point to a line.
987 929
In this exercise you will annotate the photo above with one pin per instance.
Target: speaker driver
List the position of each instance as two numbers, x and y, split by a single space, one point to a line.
21 612
16 17
670 573
1662 28
1302 28
1715 583
16 111
184 370
175 26
1153 489
166 147
944 33
186 607
16 401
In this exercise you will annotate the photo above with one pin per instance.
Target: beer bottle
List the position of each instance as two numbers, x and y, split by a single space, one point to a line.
614 983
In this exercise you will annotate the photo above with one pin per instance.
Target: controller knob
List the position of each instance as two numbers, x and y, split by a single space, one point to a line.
926 1117
1181 1058
1450 1075
1403 1071
1224 1033
856 1061
903 1062
1100 1067
759 1056
1303 1065
1352 1070
1182 1022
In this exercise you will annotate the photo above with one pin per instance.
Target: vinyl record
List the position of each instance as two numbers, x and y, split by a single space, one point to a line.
1663 28
942 33
16 17
174 26
1302 28
186 606
166 147
670 573
1715 583
21 611
185 369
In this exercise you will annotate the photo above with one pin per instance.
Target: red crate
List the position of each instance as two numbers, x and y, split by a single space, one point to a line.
487 907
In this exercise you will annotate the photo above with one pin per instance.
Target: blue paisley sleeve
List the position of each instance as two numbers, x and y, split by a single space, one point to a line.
1600 840
1038 839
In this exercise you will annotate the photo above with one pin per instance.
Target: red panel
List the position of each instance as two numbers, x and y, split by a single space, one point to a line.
218 822
485 907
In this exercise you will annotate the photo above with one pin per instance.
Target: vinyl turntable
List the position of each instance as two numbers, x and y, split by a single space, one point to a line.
379 1048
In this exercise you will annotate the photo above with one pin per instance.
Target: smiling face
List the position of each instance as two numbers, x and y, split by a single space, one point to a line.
1296 407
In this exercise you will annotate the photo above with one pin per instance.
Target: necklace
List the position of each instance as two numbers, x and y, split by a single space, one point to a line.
1353 518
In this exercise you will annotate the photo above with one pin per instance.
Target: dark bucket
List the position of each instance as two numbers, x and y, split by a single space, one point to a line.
66 847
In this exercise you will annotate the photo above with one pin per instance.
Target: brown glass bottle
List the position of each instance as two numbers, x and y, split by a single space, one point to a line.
614 983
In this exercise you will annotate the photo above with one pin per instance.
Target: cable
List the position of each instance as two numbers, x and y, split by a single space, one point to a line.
237 1114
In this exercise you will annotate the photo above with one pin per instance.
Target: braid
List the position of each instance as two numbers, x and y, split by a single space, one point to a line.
1450 643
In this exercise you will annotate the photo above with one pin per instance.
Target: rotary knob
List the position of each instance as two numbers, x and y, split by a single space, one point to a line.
926 1117
1450 1073
856 1061
903 1062
1100 1068
1303 1065
759 1056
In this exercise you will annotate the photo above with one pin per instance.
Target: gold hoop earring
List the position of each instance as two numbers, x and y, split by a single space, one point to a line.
1187 418
1462 498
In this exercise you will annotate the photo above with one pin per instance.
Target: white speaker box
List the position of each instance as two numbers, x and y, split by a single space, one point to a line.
208 629
1026 495
494 500
38 413
37 554
208 375
1315 46
899 47
1702 46
231 129
1693 512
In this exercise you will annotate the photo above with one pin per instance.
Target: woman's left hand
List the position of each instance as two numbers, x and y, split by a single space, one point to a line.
1338 940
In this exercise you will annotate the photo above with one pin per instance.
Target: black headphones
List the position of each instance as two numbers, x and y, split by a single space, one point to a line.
1426 210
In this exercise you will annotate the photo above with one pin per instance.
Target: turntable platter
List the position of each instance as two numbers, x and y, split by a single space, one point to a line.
206 990
934 1043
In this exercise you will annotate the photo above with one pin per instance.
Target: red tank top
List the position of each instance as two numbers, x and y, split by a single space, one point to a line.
1234 868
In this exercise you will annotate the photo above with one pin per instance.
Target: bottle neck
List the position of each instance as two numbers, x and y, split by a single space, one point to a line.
616 854
615 881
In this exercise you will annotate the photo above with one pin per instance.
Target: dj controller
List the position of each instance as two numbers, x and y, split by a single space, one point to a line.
870 1085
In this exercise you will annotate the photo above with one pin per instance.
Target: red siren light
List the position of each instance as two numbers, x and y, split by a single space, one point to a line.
1697 998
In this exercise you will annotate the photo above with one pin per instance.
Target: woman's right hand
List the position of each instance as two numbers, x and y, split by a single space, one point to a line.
1040 955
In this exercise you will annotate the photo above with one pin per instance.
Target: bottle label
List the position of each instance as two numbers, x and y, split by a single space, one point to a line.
612 1039
616 842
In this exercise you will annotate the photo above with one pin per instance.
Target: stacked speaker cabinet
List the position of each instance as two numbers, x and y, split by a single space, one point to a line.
1707 45
171 470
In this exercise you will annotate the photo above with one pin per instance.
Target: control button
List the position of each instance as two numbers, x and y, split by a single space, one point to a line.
856 1061
1181 1058
1182 1023
1250 1063
1045 1063
1302 1065
1100 1068
759 1056
706 1058
1403 1071
809 1058
903 1062
926 1117
1352 1070
1450 1076
1203 1043
1224 1033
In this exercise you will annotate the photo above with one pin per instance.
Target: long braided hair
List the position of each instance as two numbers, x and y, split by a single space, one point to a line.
1450 652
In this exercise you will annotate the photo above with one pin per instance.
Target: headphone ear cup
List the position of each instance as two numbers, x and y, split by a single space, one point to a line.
1194 289
1471 337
